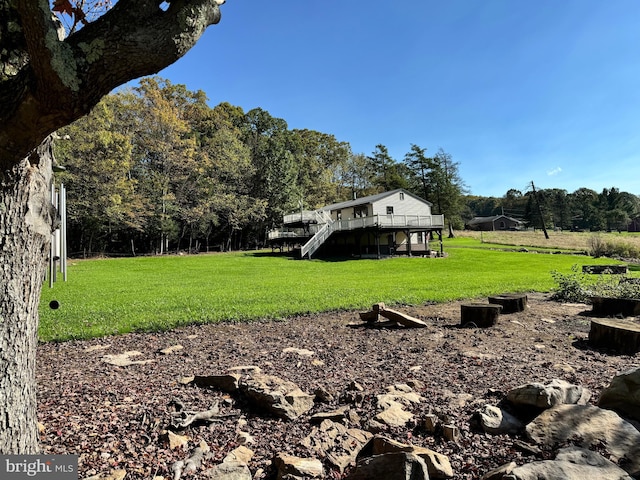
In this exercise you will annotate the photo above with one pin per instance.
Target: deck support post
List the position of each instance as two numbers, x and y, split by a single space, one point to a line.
408 234
377 234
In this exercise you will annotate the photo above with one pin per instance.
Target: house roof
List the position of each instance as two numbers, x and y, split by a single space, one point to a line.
371 199
492 219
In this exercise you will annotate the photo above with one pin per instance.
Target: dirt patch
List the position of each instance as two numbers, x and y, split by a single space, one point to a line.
114 416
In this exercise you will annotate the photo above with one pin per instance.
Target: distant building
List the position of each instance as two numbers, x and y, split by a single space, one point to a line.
496 222
384 224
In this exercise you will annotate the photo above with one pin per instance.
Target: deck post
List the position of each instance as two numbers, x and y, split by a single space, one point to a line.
377 234
408 234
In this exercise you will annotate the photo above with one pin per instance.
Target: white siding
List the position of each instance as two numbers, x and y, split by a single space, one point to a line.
408 206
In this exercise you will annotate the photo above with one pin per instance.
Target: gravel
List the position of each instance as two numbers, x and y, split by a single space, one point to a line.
117 417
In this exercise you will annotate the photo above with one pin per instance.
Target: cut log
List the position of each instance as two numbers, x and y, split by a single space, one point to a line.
511 302
616 334
600 269
401 318
480 314
379 309
628 307
369 317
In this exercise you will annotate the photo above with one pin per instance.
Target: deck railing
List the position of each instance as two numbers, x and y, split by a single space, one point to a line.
382 221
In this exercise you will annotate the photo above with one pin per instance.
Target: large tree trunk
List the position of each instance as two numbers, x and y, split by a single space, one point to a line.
26 221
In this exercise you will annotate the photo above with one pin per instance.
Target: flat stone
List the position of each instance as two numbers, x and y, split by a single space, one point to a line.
438 465
570 464
593 426
124 359
336 443
623 394
289 467
390 466
556 392
276 395
496 421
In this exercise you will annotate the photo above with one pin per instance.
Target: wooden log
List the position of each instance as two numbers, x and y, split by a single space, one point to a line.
628 307
511 302
402 318
369 317
480 314
600 269
620 335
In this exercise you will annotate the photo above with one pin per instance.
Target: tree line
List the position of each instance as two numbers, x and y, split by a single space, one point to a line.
581 210
154 169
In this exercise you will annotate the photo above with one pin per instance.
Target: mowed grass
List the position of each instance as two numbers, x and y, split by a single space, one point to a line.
105 297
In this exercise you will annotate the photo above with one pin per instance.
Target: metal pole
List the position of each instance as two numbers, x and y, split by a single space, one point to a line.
63 231
51 244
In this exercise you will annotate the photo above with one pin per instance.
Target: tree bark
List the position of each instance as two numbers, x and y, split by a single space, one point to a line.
26 222
46 82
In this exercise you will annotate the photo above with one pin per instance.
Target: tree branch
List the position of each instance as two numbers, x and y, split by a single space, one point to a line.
64 79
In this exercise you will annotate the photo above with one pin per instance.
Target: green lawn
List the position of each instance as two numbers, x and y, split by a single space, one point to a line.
103 297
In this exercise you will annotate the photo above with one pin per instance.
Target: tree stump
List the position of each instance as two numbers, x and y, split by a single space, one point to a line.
511 302
600 269
628 307
620 335
481 314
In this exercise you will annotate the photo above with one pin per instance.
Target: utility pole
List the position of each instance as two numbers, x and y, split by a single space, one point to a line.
535 196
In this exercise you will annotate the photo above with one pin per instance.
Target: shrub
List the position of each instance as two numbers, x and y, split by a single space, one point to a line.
579 287
596 246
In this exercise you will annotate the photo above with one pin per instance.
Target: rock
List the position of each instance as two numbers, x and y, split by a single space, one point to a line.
234 466
438 465
390 466
591 426
451 433
230 471
171 349
556 392
570 464
241 455
393 402
335 442
323 395
303 352
496 421
500 472
623 394
278 396
394 415
430 422
245 369
334 416
124 359
290 467
176 441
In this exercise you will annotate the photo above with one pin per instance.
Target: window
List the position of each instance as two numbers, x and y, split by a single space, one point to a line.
420 238
389 210
401 195
339 214
359 212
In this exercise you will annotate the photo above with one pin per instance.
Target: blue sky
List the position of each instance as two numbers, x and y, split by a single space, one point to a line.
516 91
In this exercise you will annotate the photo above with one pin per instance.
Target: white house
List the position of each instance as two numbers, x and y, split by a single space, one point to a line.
394 222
